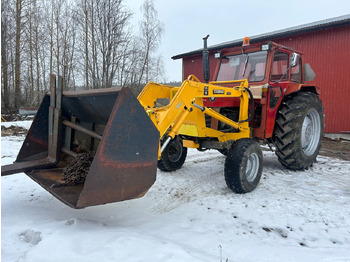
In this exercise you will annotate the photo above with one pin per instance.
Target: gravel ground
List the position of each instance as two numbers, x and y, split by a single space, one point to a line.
336 148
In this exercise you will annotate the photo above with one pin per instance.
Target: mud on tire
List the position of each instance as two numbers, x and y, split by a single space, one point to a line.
173 156
243 166
299 130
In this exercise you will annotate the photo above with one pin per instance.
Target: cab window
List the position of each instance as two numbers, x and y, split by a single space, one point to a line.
295 74
279 71
249 65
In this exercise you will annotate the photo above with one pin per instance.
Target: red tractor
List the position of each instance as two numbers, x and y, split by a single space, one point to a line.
286 111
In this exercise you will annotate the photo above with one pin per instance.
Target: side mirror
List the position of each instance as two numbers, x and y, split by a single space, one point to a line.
294 59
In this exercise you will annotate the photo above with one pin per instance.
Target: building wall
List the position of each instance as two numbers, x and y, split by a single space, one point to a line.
193 65
328 53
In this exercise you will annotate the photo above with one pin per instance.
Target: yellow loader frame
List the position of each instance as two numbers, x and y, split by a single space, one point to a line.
128 145
185 114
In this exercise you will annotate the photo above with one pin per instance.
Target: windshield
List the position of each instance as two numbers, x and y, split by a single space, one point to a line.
251 66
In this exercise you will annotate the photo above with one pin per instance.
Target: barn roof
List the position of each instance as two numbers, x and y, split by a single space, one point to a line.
318 25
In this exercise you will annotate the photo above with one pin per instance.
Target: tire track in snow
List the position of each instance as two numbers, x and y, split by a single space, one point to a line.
202 174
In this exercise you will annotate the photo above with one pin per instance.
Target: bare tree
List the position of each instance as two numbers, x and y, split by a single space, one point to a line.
103 32
37 51
28 35
90 42
5 50
86 45
151 31
18 54
111 20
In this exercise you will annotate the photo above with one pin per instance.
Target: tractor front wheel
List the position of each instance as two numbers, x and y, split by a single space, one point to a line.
173 156
243 166
299 130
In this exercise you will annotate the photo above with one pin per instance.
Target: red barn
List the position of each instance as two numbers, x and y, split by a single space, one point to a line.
326 47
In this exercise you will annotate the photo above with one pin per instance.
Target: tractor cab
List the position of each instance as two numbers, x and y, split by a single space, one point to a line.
273 72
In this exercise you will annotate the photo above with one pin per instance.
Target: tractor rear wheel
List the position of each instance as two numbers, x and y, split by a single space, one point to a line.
173 156
243 166
299 130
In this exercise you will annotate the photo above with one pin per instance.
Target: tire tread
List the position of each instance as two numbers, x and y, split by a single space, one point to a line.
287 131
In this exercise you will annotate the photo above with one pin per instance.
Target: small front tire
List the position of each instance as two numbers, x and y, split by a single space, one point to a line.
243 166
173 156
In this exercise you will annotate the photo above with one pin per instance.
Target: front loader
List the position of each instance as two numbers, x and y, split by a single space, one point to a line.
128 138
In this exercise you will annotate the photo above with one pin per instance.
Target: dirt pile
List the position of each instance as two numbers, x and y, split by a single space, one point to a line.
13 131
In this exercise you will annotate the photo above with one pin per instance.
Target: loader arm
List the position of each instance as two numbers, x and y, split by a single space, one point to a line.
185 113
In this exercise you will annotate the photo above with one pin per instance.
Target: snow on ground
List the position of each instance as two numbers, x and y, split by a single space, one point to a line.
24 124
188 215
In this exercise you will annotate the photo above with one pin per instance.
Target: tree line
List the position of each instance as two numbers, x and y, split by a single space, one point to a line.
92 43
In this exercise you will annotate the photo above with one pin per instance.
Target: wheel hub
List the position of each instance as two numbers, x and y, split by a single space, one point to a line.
252 167
308 130
175 151
310 133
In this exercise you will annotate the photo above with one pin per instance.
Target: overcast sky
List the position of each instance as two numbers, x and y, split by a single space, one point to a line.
188 21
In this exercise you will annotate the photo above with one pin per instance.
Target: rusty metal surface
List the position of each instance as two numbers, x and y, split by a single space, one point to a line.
55 127
51 180
90 107
25 166
125 162
36 140
82 129
34 147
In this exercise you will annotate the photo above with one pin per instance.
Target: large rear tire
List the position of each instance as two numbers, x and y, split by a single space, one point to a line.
243 166
299 130
173 156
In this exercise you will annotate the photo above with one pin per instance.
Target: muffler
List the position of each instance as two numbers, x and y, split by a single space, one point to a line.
108 124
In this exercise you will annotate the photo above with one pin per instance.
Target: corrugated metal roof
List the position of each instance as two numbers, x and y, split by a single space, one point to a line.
327 23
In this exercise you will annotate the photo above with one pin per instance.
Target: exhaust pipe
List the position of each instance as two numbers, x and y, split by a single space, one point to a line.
205 57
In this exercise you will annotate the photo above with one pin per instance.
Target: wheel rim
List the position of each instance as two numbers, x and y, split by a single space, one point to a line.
175 151
311 131
252 167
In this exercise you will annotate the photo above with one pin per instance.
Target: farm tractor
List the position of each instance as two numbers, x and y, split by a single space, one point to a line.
100 146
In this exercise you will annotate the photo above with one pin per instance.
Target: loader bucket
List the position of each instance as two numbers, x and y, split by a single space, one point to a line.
112 126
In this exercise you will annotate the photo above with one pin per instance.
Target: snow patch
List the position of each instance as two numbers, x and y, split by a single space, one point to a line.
24 124
187 215
30 236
